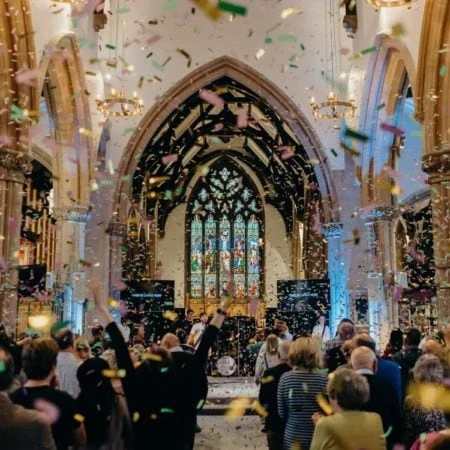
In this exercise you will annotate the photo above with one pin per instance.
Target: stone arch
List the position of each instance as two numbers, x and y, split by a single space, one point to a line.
61 66
385 76
189 85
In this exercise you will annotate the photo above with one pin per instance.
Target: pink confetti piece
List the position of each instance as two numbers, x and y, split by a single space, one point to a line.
242 118
27 77
210 97
286 151
218 127
391 129
3 264
317 226
169 158
50 411
153 39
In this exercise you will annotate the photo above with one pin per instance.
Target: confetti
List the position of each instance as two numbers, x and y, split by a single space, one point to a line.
368 50
232 8
391 129
209 8
260 53
290 11
167 159
115 374
186 55
242 118
443 71
355 135
210 97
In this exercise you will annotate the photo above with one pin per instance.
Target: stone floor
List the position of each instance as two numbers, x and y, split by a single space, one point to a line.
220 432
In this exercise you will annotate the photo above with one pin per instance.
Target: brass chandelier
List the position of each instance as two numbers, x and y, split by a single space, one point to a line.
332 107
390 3
116 104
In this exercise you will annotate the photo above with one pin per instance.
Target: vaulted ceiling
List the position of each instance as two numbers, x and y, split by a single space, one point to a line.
242 126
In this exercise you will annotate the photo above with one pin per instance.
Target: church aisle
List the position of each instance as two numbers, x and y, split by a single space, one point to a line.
220 433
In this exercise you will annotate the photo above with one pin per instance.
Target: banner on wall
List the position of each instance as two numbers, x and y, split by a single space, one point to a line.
149 295
304 295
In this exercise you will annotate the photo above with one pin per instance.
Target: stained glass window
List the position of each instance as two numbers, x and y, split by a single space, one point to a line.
226 231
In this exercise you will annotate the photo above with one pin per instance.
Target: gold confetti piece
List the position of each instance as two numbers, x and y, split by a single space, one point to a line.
85 132
209 8
396 190
170 315
79 418
136 416
109 373
398 29
152 356
237 408
259 408
324 404
290 11
267 379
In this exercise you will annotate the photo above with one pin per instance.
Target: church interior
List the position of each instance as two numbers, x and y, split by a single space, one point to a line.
166 148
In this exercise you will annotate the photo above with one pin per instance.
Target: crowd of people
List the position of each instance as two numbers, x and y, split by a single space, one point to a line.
63 392
344 394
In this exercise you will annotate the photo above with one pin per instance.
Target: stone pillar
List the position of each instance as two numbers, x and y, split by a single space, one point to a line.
337 273
70 257
13 166
382 311
437 165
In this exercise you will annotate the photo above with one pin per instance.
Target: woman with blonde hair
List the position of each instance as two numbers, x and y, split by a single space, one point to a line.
298 391
268 357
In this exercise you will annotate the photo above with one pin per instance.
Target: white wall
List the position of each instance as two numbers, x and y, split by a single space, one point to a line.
171 252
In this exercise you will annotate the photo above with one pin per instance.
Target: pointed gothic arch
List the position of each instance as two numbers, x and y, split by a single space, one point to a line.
241 73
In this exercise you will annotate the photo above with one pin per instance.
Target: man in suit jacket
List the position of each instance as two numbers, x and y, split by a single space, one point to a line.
348 427
382 399
268 398
386 370
20 429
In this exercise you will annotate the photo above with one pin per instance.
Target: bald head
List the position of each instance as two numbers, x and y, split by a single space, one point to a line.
169 341
363 340
364 358
283 350
431 346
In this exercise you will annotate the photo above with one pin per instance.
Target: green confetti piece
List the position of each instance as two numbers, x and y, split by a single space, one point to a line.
83 42
388 432
334 152
170 5
157 65
368 50
128 130
292 58
2 366
355 135
287 38
200 403
168 195
59 326
302 47
417 133
110 46
167 411
443 71
379 107
268 40
164 370
123 10
232 8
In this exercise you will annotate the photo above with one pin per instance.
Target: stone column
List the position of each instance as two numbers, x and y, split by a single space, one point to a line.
437 165
337 273
382 311
70 257
13 166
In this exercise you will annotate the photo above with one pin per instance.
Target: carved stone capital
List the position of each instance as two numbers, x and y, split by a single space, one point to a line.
15 160
381 213
116 228
332 229
75 213
436 162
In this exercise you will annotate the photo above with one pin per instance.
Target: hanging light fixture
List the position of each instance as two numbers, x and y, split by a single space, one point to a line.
377 4
332 107
116 103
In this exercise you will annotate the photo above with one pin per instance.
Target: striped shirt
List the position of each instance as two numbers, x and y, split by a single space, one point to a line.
297 402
